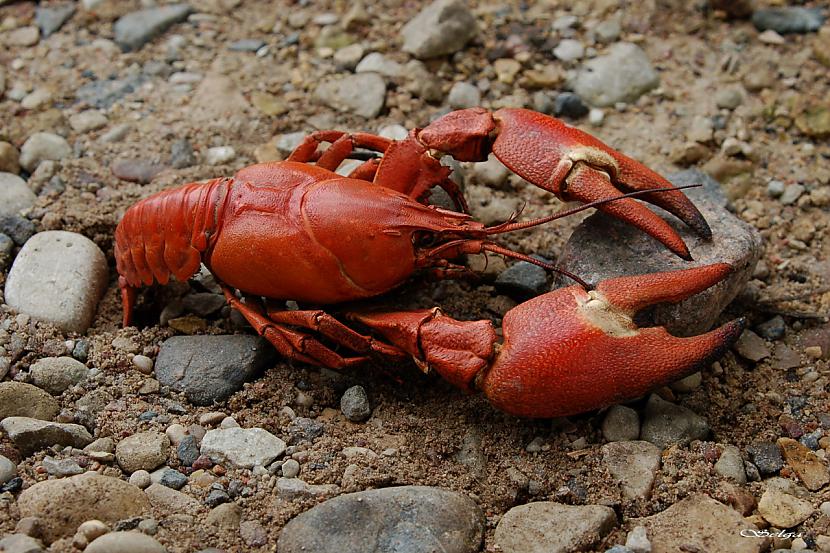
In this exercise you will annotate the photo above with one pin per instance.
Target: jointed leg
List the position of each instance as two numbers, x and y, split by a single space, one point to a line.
342 144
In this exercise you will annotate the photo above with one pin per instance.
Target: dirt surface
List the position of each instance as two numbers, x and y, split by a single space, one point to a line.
441 437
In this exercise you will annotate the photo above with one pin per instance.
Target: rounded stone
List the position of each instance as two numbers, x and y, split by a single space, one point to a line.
145 450
15 194
57 374
141 479
18 399
125 542
42 146
242 447
621 424
355 404
546 526
8 470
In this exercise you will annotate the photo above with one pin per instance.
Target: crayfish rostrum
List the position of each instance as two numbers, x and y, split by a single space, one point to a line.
296 231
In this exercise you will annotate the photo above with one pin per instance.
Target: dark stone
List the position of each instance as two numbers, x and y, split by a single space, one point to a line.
766 456
211 368
13 485
246 45
603 247
791 19
173 479
135 29
355 404
50 19
17 228
401 519
216 498
188 451
772 329
811 440
203 303
147 416
303 429
181 154
81 350
568 104
522 281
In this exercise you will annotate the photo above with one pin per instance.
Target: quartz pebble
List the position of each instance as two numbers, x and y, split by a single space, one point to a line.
633 465
242 447
621 75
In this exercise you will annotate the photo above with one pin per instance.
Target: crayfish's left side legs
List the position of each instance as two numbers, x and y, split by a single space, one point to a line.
128 297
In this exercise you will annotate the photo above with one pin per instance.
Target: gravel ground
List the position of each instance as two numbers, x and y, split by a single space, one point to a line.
202 442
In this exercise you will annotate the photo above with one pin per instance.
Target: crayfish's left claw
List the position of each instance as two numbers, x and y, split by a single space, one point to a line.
571 351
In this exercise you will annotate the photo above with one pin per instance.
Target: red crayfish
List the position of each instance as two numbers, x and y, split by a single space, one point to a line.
295 231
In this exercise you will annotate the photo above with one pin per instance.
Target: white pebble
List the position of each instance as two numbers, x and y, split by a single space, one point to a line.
596 117
143 364
140 479
219 155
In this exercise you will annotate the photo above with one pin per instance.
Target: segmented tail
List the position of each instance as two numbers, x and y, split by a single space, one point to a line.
165 235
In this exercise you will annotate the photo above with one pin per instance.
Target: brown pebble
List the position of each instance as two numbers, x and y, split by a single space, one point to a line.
219 470
806 464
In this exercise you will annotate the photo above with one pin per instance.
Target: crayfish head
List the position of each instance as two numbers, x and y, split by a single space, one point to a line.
465 134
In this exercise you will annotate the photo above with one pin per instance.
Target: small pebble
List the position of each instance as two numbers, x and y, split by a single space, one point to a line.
290 468
355 404
143 363
219 155
140 478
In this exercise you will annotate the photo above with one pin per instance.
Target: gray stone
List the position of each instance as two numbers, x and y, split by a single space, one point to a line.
751 346
242 447
171 501
699 523
219 155
51 18
522 281
464 95
187 450
181 154
633 465
15 195
18 399
87 120
211 368
790 19
422 83
728 98
568 104
547 527
622 75
621 424
637 540
144 450
61 467
58 277
42 146
399 519
30 435
491 173
57 374
135 29
730 465
246 45
603 247
355 404
18 228
439 29
375 62
569 50
253 534
772 329
225 517
290 468
782 509
362 94
20 543
173 479
666 423
8 470
608 31
125 542
104 94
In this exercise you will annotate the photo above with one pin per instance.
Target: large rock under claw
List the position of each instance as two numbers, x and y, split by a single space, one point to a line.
407 518
603 247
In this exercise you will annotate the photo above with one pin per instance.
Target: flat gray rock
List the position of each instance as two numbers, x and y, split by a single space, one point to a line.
135 29
30 435
633 465
665 423
211 368
622 75
441 28
548 527
790 19
15 194
362 94
58 277
603 247
411 519
51 18
242 447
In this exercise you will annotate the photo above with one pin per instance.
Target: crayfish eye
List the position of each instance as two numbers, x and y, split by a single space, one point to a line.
424 239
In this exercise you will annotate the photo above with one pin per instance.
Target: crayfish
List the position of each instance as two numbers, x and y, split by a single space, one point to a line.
295 231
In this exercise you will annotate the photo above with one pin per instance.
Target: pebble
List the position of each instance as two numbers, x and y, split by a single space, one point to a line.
441 28
140 478
303 429
9 162
522 281
242 447
772 329
20 543
751 346
728 98
622 75
87 120
380 64
58 277
50 19
349 56
219 155
210 369
169 500
30 435
361 93
491 173
63 504
61 467
766 457
8 470
464 95
687 384
246 45
569 50
115 134
718 528
15 195
144 450
791 194
810 469
42 146
18 399
553 527
125 542
225 517
568 104
633 465
143 363
57 374
637 540
253 534
173 479
355 404
621 424
782 509
602 247
791 19
103 445
665 423
135 29
217 497
608 31
23 36
387 520
39 97
19 229
290 468
293 488
731 465
181 154
187 451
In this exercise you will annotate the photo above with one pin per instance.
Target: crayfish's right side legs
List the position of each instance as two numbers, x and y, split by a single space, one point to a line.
128 297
